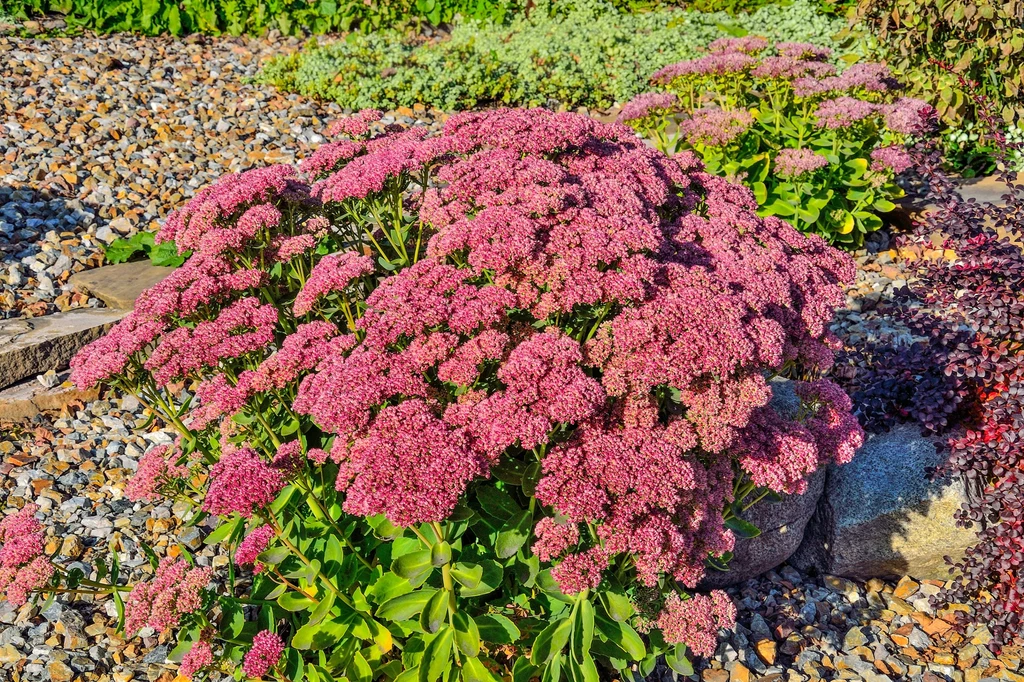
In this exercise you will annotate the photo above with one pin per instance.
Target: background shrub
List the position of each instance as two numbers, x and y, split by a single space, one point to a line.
291 17
963 376
587 55
983 40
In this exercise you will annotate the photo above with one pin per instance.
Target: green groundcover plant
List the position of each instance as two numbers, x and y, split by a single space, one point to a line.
466 407
819 149
586 54
291 17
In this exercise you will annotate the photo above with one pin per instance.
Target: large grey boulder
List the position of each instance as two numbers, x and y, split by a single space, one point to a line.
35 345
881 516
781 523
782 527
119 285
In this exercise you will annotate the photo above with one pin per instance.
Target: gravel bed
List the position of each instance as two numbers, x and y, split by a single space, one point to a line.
103 136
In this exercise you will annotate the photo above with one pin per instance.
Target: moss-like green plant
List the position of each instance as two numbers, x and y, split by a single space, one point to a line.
587 55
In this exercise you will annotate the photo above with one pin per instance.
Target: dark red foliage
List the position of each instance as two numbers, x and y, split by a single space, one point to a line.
982 294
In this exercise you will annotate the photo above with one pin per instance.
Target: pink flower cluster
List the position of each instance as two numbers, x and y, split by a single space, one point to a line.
160 603
843 112
109 356
715 64
254 544
202 224
411 466
203 280
209 310
647 104
792 163
868 77
696 621
245 326
23 567
355 125
333 273
715 127
266 651
155 471
894 158
780 453
200 656
803 51
241 482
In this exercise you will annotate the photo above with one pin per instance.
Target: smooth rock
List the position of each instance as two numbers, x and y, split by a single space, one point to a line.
880 516
781 523
29 398
119 285
32 346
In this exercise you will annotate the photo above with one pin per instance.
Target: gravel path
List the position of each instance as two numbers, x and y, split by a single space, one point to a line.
103 136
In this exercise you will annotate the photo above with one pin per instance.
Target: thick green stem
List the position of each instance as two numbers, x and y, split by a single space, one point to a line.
302 557
307 488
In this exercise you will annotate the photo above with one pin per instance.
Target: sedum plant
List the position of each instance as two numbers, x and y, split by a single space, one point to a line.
818 148
478 406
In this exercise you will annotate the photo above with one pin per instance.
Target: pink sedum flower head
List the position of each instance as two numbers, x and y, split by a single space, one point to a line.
22 535
410 465
553 538
910 116
200 656
715 64
108 357
241 482
647 104
156 470
22 582
266 651
696 621
23 568
715 127
254 544
160 603
355 125
334 273
803 51
843 112
581 571
793 163
894 158
231 214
